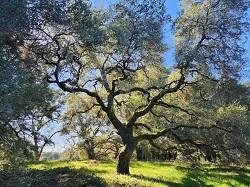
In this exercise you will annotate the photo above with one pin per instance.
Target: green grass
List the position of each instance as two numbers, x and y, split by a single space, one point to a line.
143 174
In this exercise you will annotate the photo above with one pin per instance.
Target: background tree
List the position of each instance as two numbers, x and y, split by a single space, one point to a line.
92 133
23 92
26 105
12 79
38 127
51 156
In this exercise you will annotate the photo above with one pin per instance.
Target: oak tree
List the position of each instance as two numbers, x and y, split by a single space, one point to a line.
116 58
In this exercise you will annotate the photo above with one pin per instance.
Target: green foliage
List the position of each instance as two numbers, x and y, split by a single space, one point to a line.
233 112
22 93
214 126
14 18
14 152
199 38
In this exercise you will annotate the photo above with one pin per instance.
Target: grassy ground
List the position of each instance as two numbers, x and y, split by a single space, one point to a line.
143 174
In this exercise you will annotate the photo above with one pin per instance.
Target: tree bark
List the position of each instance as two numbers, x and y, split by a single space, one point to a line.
36 155
91 154
139 154
116 154
124 159
35 148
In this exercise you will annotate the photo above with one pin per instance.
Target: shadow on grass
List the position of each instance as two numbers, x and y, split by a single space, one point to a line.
48 164
198 176
162 181
188 181
58 177
152 164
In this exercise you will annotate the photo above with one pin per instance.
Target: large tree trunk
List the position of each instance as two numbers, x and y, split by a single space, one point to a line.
124 159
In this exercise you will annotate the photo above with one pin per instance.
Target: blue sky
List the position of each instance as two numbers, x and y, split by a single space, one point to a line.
173 9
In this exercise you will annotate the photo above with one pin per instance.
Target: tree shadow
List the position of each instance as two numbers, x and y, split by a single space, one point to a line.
47 164
239 174
157 180
58 177
155 164
197 176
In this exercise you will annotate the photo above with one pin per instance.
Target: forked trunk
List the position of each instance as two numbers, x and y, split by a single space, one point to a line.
124 159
